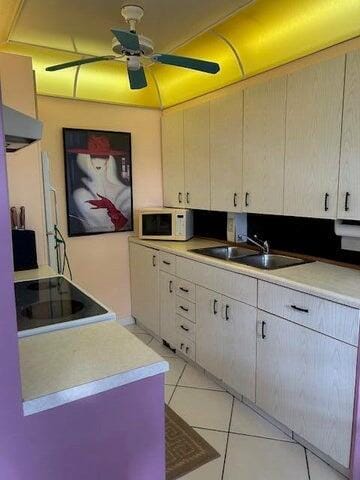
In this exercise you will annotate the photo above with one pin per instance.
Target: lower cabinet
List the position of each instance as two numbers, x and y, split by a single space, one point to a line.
306 380
226 340
167 308
144 278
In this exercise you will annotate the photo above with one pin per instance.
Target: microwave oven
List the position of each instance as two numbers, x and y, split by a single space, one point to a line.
165 224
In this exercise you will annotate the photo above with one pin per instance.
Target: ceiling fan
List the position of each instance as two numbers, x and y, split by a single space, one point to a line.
137 49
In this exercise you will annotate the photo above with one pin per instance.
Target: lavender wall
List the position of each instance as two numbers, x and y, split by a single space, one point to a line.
118 434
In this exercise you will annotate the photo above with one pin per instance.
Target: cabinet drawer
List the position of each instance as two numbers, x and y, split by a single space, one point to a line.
324 316
167 262
186 347
234 285
185 308
185 289
185 328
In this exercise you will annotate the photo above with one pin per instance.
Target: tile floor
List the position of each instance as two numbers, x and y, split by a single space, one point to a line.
251 448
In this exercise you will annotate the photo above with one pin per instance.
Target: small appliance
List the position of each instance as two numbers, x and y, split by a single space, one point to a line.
166 224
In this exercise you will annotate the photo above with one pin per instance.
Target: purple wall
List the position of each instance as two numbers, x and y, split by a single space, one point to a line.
118 434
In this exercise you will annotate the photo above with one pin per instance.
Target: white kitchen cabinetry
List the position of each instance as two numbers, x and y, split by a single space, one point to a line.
264 147
313 128
196 157
167 308
173 158
349 184
306 380
144 276
226 142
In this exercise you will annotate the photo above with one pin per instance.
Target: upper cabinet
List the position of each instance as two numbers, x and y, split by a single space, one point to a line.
226 142
313 129
349 184
196 157
173 158
264 147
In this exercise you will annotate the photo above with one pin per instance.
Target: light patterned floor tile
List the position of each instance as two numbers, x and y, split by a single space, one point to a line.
161 349
213 469
245 420
320 470
144 337
133 328
252 458
194 377
176 367
203 408
169 390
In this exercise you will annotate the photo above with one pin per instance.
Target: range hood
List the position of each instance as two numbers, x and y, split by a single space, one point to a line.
20 129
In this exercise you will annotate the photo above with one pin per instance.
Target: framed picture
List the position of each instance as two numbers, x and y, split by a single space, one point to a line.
98 181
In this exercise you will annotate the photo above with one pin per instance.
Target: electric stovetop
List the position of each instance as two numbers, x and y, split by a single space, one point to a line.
50 302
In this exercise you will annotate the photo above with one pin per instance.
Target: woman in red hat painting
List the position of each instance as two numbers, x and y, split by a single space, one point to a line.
102 200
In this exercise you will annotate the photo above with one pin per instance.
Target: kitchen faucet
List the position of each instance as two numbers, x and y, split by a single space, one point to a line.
262 244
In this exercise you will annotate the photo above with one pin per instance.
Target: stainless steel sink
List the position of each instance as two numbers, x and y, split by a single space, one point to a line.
268 261
224 252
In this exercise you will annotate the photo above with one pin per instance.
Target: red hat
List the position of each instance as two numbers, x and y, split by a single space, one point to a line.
97 145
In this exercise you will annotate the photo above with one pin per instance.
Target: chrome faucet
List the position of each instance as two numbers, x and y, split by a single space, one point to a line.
262 244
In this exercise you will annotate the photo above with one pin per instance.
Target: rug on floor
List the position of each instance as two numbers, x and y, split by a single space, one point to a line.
186 450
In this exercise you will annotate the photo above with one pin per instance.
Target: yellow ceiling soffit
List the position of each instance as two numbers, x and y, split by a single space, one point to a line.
8 12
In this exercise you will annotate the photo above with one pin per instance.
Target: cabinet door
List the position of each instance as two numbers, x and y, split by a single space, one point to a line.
167 308
144 275
173 158
226 138
349 185
239 350
264 147
306 380
313 127
209 331
196 157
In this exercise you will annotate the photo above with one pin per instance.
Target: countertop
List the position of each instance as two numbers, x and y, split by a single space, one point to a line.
338 284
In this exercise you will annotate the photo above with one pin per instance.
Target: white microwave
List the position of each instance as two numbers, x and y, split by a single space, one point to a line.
165 224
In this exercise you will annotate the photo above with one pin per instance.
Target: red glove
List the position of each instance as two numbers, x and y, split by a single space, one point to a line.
116 217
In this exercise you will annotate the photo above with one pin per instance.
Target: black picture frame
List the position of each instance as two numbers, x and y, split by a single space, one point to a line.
98 178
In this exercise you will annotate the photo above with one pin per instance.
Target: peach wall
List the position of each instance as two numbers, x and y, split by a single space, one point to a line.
100 263
24 166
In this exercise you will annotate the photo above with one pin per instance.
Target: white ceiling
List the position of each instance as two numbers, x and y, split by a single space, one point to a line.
85 25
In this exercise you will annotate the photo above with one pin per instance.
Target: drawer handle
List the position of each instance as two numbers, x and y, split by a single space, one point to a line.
184 308
326 203
181 346
227 313
263 326
187 349
166 262
154 260
214 306
184 328
170 286
299 309
347 198
184 289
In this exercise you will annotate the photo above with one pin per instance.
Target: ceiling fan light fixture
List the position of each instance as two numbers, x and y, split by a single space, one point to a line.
133 63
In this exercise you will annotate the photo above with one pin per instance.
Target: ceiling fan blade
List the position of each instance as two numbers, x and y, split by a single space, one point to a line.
75 63
129 40
186 62
137 79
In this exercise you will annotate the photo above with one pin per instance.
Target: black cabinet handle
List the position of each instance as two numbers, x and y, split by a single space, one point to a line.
154 260
187 349
166 263
227 312
181 346
184 328
214 306
170 286
184 289
180 197
263 326
183 308
326 203
347 198
247 199
299 309
187 197
235 200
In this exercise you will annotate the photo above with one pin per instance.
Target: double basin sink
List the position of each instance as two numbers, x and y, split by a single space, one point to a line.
245 256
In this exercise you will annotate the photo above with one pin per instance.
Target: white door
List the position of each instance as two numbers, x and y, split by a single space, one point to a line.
349 185
226 139
144 276
196 157
313 128
167 308
306 380
239 347
209 331
173 158
264 147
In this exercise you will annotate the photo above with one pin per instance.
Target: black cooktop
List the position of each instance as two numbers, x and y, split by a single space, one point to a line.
49 301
